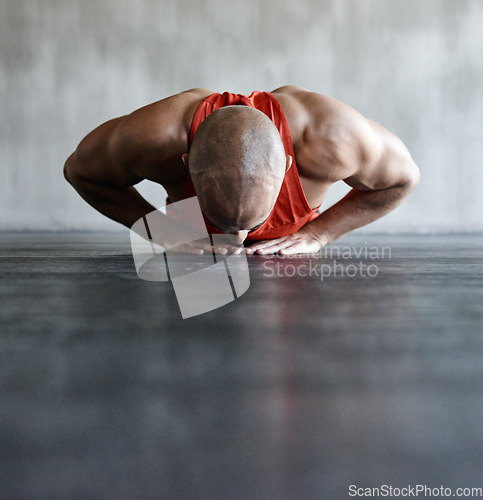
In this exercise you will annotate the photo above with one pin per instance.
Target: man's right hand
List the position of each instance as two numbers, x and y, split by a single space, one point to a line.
187 235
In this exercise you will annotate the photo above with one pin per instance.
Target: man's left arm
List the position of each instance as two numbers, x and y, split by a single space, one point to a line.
381 174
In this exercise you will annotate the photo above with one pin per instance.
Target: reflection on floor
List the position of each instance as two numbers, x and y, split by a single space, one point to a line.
360 366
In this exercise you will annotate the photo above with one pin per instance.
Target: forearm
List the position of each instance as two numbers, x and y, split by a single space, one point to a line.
121 204
355 210
126 206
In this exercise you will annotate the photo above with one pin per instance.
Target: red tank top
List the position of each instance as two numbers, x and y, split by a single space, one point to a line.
291 210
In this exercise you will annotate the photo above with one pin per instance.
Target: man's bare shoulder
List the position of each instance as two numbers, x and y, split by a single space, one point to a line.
146 144
178 106
157 134
329 137
163 122
312 112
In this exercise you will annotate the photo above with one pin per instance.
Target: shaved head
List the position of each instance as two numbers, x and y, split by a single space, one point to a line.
237 163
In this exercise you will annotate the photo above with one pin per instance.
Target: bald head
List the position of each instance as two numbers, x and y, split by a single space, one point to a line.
237 163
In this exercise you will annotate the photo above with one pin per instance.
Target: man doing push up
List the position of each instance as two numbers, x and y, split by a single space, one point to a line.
260 166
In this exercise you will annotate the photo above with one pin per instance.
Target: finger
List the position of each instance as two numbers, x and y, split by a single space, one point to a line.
293 249
198 248
263 244
191 250
223 250
301 247
274 248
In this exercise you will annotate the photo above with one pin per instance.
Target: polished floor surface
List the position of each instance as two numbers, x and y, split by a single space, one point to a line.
361 366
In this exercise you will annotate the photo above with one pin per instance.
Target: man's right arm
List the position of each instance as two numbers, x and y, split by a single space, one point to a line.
106 165
96 173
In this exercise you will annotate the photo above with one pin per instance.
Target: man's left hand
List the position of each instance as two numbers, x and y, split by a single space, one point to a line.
303 241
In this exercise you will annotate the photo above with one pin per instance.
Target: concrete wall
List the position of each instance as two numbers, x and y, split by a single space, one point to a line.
416 66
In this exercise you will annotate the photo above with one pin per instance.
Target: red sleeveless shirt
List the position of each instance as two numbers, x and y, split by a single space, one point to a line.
291 210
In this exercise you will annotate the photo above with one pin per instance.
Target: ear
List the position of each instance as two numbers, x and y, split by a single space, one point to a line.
185 161
288 163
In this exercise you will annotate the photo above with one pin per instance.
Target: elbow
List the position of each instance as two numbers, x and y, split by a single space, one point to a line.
68 169
72 170
415 176
411 178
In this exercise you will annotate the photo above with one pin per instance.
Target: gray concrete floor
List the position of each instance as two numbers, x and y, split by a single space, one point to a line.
297 390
